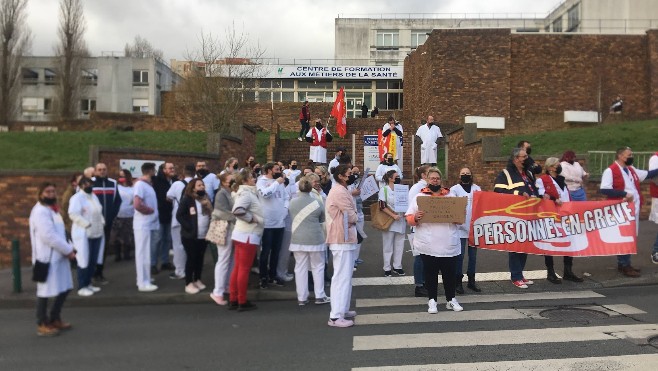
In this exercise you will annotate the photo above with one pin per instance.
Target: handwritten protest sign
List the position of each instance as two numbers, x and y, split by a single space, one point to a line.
369 187
443 209
401 198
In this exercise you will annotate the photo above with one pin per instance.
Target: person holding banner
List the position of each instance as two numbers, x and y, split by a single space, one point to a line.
318 136
387 165
438 244
393 238
517 179
552 185
621 181
466 188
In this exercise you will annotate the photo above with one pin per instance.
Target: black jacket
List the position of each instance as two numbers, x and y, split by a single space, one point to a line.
108 194
511 182
188 222
161 185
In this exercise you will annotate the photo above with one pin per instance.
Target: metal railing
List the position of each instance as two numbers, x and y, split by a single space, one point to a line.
513 15
598 161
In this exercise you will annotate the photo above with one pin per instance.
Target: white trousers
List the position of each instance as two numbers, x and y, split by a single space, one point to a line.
179 251
393 247
223 266
302 261
143 256
284 255
341 282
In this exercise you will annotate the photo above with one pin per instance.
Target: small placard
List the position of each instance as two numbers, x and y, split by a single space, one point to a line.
401 197
443 209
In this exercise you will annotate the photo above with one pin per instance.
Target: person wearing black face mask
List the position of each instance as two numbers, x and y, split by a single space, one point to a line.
620 181
466 188
193 214
230 166
551 185
386 165
516 179
393 238
292 172
87 232
318 137
529 163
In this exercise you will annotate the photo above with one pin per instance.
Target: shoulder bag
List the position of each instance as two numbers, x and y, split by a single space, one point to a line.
378 218
217 232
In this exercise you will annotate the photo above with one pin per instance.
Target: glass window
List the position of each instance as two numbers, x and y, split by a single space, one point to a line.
30 76
355 84
87 105
381 84
557 25
50 76
315 84
141 105
388 39
574 19
288 84
418 38
90 77
140 77
287 96
249 96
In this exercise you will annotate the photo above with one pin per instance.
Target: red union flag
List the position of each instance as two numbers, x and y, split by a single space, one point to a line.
536 226
340 113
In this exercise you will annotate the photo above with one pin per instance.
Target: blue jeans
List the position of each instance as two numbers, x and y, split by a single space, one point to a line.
516 264
624 260
578 195
419 277
160 245
84 275
472 259
271 245
655 246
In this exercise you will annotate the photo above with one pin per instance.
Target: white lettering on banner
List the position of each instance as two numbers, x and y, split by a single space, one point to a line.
335 72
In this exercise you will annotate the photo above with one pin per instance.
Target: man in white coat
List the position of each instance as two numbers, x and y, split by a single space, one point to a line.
318 136
145 225
428 133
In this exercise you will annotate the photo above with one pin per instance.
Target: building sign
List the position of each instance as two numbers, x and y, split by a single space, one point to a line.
370 152
335 72
135 166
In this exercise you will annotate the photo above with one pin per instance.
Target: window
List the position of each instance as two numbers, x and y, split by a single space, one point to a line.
557 25
140 77
90 77
87 105
315 84
388 101
50 76
287 96
573 19
388 84
30 76
418 38
158 80
355 84
141 105
388 39
36 106
288 84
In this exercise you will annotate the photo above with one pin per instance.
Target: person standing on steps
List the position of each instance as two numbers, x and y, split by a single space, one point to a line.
304 119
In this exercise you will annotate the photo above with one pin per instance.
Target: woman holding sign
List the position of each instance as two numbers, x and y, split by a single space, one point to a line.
438 245
393 243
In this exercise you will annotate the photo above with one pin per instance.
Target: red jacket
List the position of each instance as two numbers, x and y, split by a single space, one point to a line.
549 186
618 181
653 188
322 140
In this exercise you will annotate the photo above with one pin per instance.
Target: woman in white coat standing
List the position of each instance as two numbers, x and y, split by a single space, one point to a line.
48 238
86 213
393 238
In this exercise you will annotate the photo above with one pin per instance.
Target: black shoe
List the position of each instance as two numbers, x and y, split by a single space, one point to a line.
263 284
117 258
154 270
420 292
276 281
459 288
553 278
100 280
167 267
246 307
387 273
570 276
232 305
399 272
473 286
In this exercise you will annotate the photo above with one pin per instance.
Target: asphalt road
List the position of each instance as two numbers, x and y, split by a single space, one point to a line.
283 336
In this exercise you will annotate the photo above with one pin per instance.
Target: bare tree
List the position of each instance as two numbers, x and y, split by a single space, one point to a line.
15 41
222 74
72 51
142 48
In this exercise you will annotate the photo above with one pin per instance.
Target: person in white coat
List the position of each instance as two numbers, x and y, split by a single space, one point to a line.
145 226
318 137
174 195
384 167
48 239
87 232
393 238
428 133
466 188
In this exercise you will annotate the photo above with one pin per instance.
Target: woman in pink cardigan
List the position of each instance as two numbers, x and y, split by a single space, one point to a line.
341 218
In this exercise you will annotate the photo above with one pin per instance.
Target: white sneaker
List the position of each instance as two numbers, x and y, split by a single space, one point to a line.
454 305
431 307
255 270
199 285
288 277
191 288
94 288
147 288
85 291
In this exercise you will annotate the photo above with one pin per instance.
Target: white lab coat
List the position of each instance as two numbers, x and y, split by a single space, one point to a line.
458 191
653 214
317 153
81 208
629 187
428 136
47 234
382 169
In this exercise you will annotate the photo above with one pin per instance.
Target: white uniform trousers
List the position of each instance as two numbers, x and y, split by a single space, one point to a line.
393 247
223 266
179 252
316 261
341 282
284 255
143 256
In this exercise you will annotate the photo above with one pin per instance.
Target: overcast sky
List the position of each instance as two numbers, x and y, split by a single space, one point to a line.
284 29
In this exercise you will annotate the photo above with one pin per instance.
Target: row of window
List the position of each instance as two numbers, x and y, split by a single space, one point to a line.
89 76
573 21
391 39
44 106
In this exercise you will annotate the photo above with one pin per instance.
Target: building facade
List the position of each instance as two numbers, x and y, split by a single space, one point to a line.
108 84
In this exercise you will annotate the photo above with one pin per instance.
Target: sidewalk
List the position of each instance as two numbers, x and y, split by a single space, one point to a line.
121 290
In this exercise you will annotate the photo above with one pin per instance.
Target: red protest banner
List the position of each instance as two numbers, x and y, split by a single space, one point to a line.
536 226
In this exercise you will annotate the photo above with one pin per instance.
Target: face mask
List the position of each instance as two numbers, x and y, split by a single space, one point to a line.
235 167
202 173
434 188
558 170
200 193
49 201
294 167
351 179
629 161
318 126
571 162
88 189
257 170
389 161
526 163
276 175
122 180
466 179
528 151
396 181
